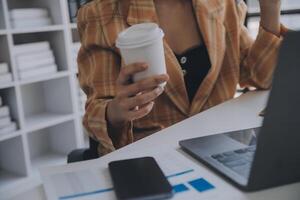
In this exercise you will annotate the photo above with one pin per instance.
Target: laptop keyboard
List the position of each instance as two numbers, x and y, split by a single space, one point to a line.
239 161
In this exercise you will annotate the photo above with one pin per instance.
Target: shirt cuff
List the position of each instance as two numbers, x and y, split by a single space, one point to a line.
283 31
263 57
96 124
267 39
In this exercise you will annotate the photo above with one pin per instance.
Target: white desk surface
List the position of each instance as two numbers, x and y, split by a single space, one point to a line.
236 114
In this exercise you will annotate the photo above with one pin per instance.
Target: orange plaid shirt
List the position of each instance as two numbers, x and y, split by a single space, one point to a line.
235 59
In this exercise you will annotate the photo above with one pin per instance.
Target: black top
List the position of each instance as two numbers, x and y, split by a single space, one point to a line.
195 64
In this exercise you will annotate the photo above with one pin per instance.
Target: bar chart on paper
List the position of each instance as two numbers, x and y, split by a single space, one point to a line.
92 184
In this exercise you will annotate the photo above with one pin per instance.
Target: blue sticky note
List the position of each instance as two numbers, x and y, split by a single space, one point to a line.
201 185
180 188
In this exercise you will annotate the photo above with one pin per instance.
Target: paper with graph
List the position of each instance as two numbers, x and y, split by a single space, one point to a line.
89 181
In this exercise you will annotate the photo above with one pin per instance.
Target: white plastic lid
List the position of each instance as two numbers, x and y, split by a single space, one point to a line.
139 35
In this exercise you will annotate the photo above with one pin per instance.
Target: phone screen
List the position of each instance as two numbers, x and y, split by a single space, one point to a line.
139 179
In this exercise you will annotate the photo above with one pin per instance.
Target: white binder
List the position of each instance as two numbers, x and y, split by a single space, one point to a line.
35 64
36 72
30 23
28 13
34 56
31 47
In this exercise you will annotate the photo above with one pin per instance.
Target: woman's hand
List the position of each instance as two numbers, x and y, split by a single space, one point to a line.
133 100
270 15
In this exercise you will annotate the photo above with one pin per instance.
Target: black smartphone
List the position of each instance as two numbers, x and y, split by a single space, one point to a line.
139 179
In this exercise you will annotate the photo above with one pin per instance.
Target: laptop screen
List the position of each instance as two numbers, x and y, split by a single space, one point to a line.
247 137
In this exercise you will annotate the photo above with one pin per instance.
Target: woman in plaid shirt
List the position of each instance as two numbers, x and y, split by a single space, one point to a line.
234 57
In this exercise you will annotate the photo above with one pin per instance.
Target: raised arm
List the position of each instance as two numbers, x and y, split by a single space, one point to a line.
259 57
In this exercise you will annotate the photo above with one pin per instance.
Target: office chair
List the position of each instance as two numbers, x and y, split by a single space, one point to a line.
90 153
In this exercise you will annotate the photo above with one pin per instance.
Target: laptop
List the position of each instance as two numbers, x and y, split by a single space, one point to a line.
266 156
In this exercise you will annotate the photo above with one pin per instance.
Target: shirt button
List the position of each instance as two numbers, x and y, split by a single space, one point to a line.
183 60
184 72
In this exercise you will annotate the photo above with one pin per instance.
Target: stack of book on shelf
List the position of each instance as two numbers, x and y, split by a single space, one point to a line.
5 75
34 60
7 126
29 17
75 50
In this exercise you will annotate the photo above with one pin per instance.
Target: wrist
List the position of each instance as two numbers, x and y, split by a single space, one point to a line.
115 128
111 118
271 26
270 19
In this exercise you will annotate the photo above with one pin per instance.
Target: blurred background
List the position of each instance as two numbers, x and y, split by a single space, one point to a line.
41 104
290 15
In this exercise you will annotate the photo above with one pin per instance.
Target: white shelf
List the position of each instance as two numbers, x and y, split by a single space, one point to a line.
38 29
8 178
48 146
9 136
44 120
45 108
57 75
7 85
13 165
54 7
47 100
57 41
49 159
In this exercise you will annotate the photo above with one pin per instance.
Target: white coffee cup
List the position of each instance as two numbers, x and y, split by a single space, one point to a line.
143 43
